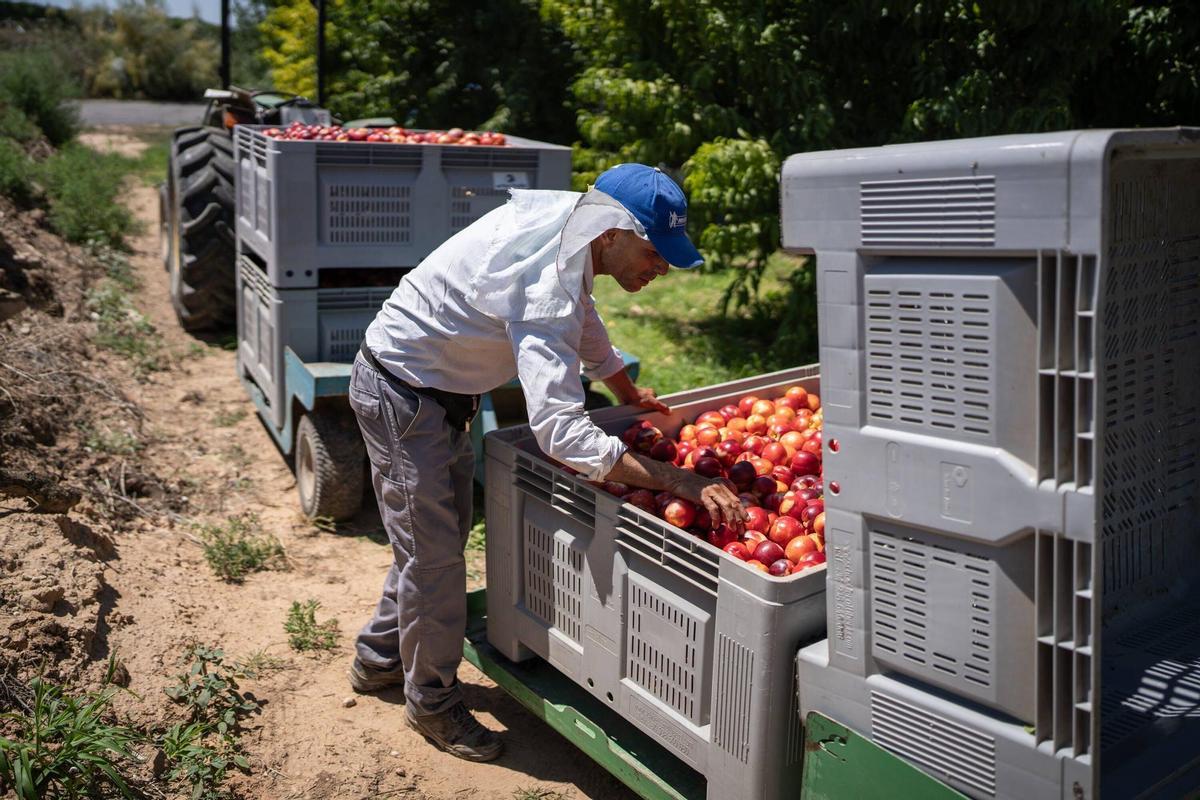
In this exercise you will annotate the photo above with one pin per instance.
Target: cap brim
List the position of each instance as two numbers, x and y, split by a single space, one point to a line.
677 249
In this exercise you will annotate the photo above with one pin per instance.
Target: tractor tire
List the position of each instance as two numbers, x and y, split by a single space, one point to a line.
329 465
201 232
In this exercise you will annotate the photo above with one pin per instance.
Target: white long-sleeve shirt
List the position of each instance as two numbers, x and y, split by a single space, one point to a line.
438 330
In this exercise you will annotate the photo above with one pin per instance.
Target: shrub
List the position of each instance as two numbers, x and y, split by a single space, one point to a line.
15 171
82 187
36 84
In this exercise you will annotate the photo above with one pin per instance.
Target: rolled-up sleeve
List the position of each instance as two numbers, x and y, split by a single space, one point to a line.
600 359
548 366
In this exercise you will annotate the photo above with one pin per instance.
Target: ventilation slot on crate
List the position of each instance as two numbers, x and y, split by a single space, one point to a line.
950 752
553 580
469 203
1063 624
556 489
924 212
370 154
1148 353
680 553
933 612
489 158
731 701
665 644
357 214
930 359
1066 377
342 318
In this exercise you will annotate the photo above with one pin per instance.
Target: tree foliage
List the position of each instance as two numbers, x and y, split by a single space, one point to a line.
720 92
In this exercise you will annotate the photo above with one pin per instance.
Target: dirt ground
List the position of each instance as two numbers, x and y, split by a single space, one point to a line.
129 579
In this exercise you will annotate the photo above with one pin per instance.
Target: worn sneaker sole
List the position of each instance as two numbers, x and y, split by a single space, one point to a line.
459 751
363 681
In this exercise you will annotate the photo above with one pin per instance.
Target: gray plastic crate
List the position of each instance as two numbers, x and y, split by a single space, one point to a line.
1010 344
694 648
317 324
304 206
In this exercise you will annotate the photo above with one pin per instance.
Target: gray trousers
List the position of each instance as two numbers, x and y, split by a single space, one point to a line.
422 471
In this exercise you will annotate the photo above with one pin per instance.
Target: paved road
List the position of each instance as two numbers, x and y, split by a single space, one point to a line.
139 112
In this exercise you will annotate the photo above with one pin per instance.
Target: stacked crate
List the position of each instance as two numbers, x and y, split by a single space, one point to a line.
693 647
325 230
1010 352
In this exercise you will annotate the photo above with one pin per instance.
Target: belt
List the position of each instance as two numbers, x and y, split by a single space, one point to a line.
460 408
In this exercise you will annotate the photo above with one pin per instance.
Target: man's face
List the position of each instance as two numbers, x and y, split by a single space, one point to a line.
632 261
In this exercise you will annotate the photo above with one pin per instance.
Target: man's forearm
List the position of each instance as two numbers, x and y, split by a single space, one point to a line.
621 385
643 472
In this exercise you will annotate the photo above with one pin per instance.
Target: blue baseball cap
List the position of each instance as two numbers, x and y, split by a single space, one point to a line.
658 203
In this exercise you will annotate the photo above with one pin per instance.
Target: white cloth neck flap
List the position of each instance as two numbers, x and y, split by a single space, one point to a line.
535 230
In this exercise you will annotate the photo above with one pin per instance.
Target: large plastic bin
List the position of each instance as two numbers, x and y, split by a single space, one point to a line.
694 648
319 325
1010 346
304 206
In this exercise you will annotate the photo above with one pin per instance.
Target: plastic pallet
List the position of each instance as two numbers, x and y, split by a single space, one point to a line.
692 647
1010 343
304 206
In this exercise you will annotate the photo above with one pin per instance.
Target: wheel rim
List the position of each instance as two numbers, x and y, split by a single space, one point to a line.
306 473
164 232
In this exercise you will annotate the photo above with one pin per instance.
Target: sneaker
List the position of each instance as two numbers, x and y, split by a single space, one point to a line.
456 731
364 678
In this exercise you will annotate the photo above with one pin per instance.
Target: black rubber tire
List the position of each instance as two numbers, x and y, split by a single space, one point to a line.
329 465
202 234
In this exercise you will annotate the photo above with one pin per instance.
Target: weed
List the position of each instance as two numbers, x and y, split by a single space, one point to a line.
238 547
16 172
304 632
228 418
123 329
200 759
116 265
63 747
536 793
117 443
210 690
15 125
477 538
324 524
261 661
238 456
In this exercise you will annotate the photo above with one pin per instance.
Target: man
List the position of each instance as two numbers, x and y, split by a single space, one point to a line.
511 294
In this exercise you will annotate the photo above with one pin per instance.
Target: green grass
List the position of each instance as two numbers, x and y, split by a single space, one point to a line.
123 329
676 328
238 546
304 632
64 746
227 418
150 166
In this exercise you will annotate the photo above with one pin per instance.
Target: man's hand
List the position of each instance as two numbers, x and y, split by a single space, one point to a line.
644 397
632 395
715 495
